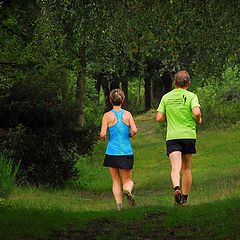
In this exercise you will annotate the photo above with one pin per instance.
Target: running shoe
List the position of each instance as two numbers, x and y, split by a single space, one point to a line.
177 197
119 206
184 201
129 196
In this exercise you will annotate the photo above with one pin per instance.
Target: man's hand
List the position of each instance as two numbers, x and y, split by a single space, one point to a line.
160 117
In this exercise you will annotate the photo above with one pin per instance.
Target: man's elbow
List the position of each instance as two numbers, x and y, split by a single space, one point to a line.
198 117
196 112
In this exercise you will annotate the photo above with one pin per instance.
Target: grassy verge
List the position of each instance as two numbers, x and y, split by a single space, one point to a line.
89 212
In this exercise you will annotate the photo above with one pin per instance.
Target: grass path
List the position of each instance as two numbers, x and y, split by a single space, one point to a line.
90 213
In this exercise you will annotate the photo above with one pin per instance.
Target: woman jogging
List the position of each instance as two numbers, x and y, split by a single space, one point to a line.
119 154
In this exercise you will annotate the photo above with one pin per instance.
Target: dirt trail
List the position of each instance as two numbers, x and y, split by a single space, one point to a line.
150 227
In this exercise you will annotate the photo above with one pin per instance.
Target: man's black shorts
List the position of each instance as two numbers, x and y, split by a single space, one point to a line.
186 146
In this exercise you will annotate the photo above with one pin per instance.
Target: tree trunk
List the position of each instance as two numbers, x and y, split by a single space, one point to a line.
167 82
106 90
102 81
157 90
115 82
80 91
138 92
80 97
125 89
98 88
147 87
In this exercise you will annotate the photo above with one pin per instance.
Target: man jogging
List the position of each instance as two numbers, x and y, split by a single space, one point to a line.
181 109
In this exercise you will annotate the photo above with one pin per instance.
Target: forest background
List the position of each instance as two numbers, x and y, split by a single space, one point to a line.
59 60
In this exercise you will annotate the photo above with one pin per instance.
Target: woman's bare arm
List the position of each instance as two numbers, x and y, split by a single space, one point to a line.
104 127
132 125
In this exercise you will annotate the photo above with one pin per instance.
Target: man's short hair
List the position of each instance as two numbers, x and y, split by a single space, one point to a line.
182 78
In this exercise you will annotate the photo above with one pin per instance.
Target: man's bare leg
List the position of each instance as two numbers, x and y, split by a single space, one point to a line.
186 175
176 165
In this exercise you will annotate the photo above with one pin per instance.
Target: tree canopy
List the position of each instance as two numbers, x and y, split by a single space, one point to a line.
56 56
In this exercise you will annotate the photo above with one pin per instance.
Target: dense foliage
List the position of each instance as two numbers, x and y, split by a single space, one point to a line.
59 60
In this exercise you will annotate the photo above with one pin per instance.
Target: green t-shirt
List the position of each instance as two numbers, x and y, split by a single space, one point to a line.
177 107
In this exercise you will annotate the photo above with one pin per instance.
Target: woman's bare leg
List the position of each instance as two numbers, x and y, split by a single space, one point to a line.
128 185
116 184
127 179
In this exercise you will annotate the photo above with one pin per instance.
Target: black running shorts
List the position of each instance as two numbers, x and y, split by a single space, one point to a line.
123 162
185 146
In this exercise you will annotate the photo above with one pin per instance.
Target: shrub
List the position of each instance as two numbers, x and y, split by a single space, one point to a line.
43 133
7 176
47 155
220 99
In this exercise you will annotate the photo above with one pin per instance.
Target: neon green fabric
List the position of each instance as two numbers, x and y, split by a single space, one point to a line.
177 107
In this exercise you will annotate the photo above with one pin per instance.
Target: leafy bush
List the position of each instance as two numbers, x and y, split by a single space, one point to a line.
47 154
7 176
43 133
220 99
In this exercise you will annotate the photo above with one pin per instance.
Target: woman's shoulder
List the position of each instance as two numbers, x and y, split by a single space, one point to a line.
106 115
127 113
109 113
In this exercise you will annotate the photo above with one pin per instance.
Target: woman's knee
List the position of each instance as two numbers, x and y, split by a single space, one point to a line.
126 173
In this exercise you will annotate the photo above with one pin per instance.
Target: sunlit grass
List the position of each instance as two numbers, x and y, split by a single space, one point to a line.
215 189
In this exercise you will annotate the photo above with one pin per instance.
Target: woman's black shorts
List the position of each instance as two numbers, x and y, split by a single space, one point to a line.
186 146
124 162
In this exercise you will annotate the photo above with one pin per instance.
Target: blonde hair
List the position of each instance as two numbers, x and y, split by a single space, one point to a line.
182 78
117 97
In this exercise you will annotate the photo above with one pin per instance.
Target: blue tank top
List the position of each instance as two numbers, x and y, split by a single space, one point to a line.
119 140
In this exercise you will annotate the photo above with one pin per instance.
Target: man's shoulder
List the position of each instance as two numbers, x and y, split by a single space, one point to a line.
168 94
192 94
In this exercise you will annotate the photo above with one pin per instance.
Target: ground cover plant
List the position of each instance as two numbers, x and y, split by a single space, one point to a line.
7 176
88 211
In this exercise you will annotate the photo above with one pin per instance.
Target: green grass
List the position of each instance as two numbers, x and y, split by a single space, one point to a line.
7 176
89 212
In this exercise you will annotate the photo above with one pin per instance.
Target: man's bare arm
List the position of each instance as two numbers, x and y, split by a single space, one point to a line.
160 117
197 114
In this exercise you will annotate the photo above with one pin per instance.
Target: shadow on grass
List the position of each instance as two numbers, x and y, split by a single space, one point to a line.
218 220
